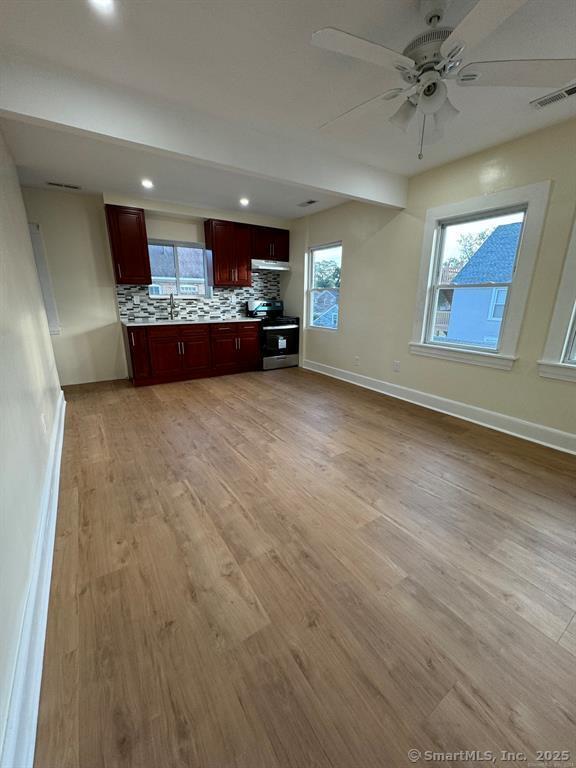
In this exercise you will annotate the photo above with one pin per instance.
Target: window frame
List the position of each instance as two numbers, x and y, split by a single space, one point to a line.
184 244
562 330
311 290
494 303
435 286
533 200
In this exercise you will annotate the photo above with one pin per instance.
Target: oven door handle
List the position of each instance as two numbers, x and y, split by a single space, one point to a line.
278 327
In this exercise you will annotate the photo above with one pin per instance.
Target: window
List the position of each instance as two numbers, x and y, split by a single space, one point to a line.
324 282
497 303
473 271
559 360
478 256
177 268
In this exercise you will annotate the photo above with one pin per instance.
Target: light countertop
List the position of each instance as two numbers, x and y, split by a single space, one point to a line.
139 323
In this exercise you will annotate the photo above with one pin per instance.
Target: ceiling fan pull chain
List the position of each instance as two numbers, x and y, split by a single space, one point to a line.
420 155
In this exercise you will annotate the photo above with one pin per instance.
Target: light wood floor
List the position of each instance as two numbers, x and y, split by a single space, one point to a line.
278 570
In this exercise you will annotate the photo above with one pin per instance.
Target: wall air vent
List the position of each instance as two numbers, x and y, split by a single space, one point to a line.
62 186
552 98
306 203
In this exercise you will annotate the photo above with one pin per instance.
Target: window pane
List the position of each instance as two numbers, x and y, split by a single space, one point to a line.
326 263
481 251
325 308
191 268
163 269
468 316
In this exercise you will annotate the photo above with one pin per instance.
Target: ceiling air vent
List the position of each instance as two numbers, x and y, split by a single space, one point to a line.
306 203
62 186
552 98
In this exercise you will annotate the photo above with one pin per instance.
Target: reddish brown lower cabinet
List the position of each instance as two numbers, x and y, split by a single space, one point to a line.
173 352
136 340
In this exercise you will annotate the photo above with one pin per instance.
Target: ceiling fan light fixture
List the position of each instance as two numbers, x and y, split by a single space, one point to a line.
433 97
404 116
445 114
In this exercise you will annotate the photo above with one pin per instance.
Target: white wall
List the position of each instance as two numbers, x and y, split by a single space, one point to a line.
380 267
90 346
29 392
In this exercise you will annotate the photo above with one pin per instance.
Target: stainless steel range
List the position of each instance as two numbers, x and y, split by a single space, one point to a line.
279 334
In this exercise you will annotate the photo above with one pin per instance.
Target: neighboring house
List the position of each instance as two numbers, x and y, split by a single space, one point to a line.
325 313
474 315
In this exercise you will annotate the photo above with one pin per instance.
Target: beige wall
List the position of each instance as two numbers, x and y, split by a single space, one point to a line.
381 262
29 391
90 346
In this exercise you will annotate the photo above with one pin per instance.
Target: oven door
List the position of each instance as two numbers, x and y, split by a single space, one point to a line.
280 346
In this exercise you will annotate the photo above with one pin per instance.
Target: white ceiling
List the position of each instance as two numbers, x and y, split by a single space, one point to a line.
48 154
250 62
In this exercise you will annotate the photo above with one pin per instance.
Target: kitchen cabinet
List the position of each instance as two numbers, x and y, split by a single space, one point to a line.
196 351
271 243
235 346
166 357
160 353
129 244
139 357
229 249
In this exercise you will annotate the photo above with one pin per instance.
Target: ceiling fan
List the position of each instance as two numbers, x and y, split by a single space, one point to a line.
436 56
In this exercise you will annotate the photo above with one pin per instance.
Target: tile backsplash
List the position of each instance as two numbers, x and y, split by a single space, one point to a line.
225 304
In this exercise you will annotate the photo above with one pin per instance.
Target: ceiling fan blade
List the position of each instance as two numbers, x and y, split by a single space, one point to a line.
530 73
352 109
483 19
349 45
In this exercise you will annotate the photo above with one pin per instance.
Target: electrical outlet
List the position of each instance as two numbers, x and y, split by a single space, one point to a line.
357 361
396 366
135 299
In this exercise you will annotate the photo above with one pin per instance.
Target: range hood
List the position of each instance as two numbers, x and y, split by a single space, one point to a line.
259 265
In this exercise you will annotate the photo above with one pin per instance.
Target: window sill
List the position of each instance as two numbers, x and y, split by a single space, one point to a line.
321 328
469 356
553 370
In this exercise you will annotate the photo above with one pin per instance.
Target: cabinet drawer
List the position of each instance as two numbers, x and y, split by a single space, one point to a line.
193 331
164 331
248 329
176 331
224 329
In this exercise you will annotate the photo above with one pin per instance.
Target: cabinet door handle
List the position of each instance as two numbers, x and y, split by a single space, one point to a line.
132 338
180 350
239 342
273 249
119 269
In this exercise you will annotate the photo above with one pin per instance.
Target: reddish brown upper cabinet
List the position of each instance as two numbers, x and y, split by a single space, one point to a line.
230 248
271 243
129 244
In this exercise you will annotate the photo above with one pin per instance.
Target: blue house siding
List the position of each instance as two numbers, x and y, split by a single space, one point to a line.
470 321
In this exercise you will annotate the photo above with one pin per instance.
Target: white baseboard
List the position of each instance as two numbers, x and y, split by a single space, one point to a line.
20 734
528 430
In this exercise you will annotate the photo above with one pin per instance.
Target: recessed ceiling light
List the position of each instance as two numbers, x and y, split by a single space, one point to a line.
244 202
105 7
147 184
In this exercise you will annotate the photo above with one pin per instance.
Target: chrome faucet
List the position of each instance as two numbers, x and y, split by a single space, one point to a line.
172 306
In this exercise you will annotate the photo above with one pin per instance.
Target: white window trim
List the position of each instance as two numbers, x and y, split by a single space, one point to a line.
551 366
494 303
534 198
186 296
310 290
